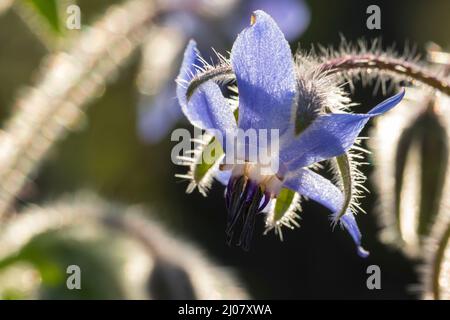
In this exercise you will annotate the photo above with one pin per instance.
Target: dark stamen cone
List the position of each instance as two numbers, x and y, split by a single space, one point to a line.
244 199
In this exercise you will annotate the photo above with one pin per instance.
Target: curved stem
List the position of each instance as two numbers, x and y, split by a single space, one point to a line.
220 73
397 66
346 63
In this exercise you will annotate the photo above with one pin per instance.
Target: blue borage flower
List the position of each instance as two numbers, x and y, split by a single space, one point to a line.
308 110
215 23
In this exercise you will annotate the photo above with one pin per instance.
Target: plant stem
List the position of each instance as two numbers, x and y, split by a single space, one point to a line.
347 63
396 66
70 80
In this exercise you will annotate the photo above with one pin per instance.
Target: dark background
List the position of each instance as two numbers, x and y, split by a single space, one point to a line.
108 157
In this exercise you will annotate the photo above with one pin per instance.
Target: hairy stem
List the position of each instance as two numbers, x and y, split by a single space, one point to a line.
396 66
78 210
347 63
220 73
69 81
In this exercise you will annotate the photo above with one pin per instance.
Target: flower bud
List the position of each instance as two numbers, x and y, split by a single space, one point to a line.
411 152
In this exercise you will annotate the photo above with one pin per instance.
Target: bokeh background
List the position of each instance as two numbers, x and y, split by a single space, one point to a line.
106 155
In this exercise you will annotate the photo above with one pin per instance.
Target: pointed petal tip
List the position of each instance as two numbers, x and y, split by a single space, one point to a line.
187 71
363 253
292 16
262 17
252 19
395 99
191 50
192 42
258 14
388 104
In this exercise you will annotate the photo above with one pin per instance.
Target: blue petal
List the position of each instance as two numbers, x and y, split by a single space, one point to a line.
158 116
317 188
264 67
187 71
330 135
292 16
207 108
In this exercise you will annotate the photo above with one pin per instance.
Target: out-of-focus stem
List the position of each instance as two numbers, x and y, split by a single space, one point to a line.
69 81
438 264
5 5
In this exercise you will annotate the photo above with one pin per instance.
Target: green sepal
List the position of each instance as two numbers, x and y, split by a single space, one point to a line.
283 203
214 151
343 167
284 212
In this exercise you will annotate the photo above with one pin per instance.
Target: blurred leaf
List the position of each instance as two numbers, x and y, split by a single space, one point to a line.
120 256
52 252
49 11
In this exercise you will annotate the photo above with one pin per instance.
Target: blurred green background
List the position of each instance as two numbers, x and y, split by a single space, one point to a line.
107 156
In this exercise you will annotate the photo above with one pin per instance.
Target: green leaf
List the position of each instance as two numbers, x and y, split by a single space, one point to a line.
98 256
